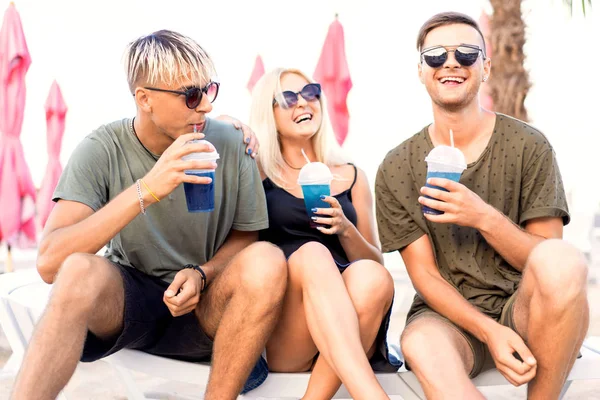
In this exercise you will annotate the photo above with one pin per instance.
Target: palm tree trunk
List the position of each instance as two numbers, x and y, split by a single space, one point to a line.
509 81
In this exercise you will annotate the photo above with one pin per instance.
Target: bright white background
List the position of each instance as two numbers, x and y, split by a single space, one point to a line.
80 44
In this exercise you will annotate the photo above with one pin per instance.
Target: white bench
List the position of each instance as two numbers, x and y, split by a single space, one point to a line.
23 296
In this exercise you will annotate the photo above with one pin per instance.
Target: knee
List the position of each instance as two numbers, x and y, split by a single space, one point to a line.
309 254
370 286
413 344
263 271
310 262
560 270
78 283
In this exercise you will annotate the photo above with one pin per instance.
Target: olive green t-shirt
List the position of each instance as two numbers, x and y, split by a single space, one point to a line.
517 173
160 243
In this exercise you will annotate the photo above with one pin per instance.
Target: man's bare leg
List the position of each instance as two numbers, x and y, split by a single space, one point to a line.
551 313
440 357
239 310
87 294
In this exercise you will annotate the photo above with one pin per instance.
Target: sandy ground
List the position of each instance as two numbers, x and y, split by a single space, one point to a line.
97 381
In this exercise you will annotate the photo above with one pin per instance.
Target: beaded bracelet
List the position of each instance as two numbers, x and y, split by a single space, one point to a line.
202 274
140 197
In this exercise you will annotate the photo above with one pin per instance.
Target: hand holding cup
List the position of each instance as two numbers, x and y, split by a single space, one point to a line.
443 162
168 172
332 220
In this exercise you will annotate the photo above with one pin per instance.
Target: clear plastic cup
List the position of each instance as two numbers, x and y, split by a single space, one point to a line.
200 197
443 162
315 179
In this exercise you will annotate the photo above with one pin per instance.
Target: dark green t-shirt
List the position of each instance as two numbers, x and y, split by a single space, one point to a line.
111 159
517 173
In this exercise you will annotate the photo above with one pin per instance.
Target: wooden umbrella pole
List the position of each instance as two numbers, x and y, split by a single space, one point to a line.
8 267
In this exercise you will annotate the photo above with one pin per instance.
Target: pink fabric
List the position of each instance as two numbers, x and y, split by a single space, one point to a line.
257 73
56 109
17 193
333 75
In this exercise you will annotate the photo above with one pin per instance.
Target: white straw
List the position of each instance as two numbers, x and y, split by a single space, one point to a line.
451 138
305 156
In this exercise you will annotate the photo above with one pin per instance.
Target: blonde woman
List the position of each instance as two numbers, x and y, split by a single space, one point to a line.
338 300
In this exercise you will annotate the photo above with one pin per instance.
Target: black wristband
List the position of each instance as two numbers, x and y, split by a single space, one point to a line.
202 274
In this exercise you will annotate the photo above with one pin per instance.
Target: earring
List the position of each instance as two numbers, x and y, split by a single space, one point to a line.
484 78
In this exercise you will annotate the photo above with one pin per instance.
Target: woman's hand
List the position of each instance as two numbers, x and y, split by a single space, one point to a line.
336 218
250 139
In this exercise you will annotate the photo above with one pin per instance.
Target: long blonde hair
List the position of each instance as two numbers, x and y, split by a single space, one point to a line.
262 122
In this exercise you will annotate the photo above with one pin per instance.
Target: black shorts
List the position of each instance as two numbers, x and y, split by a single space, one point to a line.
149 326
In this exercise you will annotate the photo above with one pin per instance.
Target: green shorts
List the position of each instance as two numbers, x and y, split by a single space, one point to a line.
482 358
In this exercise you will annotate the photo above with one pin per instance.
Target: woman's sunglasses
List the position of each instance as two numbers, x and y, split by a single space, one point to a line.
193 95
289 99
465 55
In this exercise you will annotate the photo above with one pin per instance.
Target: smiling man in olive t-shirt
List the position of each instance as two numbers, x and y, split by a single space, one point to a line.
491 275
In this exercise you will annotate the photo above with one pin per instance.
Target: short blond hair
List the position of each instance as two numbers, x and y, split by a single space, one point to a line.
166 57
262 122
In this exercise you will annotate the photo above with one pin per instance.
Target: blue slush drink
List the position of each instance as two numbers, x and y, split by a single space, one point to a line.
443 162
312 199
315 180
200 197
454 176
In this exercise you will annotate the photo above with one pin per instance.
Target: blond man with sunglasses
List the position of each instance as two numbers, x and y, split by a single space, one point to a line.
495 284
191 286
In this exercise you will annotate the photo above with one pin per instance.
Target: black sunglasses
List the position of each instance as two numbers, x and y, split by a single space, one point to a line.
289 99
193 95
465 54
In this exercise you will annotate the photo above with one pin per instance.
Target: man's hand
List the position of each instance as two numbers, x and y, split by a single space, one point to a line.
250 139
505 346
183 294
168 172
460 205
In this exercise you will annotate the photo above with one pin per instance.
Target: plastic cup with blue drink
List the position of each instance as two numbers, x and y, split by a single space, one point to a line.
443 162
200 197
315 179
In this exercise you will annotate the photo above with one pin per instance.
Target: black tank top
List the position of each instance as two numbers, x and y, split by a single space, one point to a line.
289 224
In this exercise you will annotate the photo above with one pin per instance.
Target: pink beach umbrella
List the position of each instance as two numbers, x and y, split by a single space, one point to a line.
334 76
56 109
17 193
257 73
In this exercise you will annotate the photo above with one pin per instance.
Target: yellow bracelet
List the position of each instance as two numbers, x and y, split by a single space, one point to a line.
149 191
